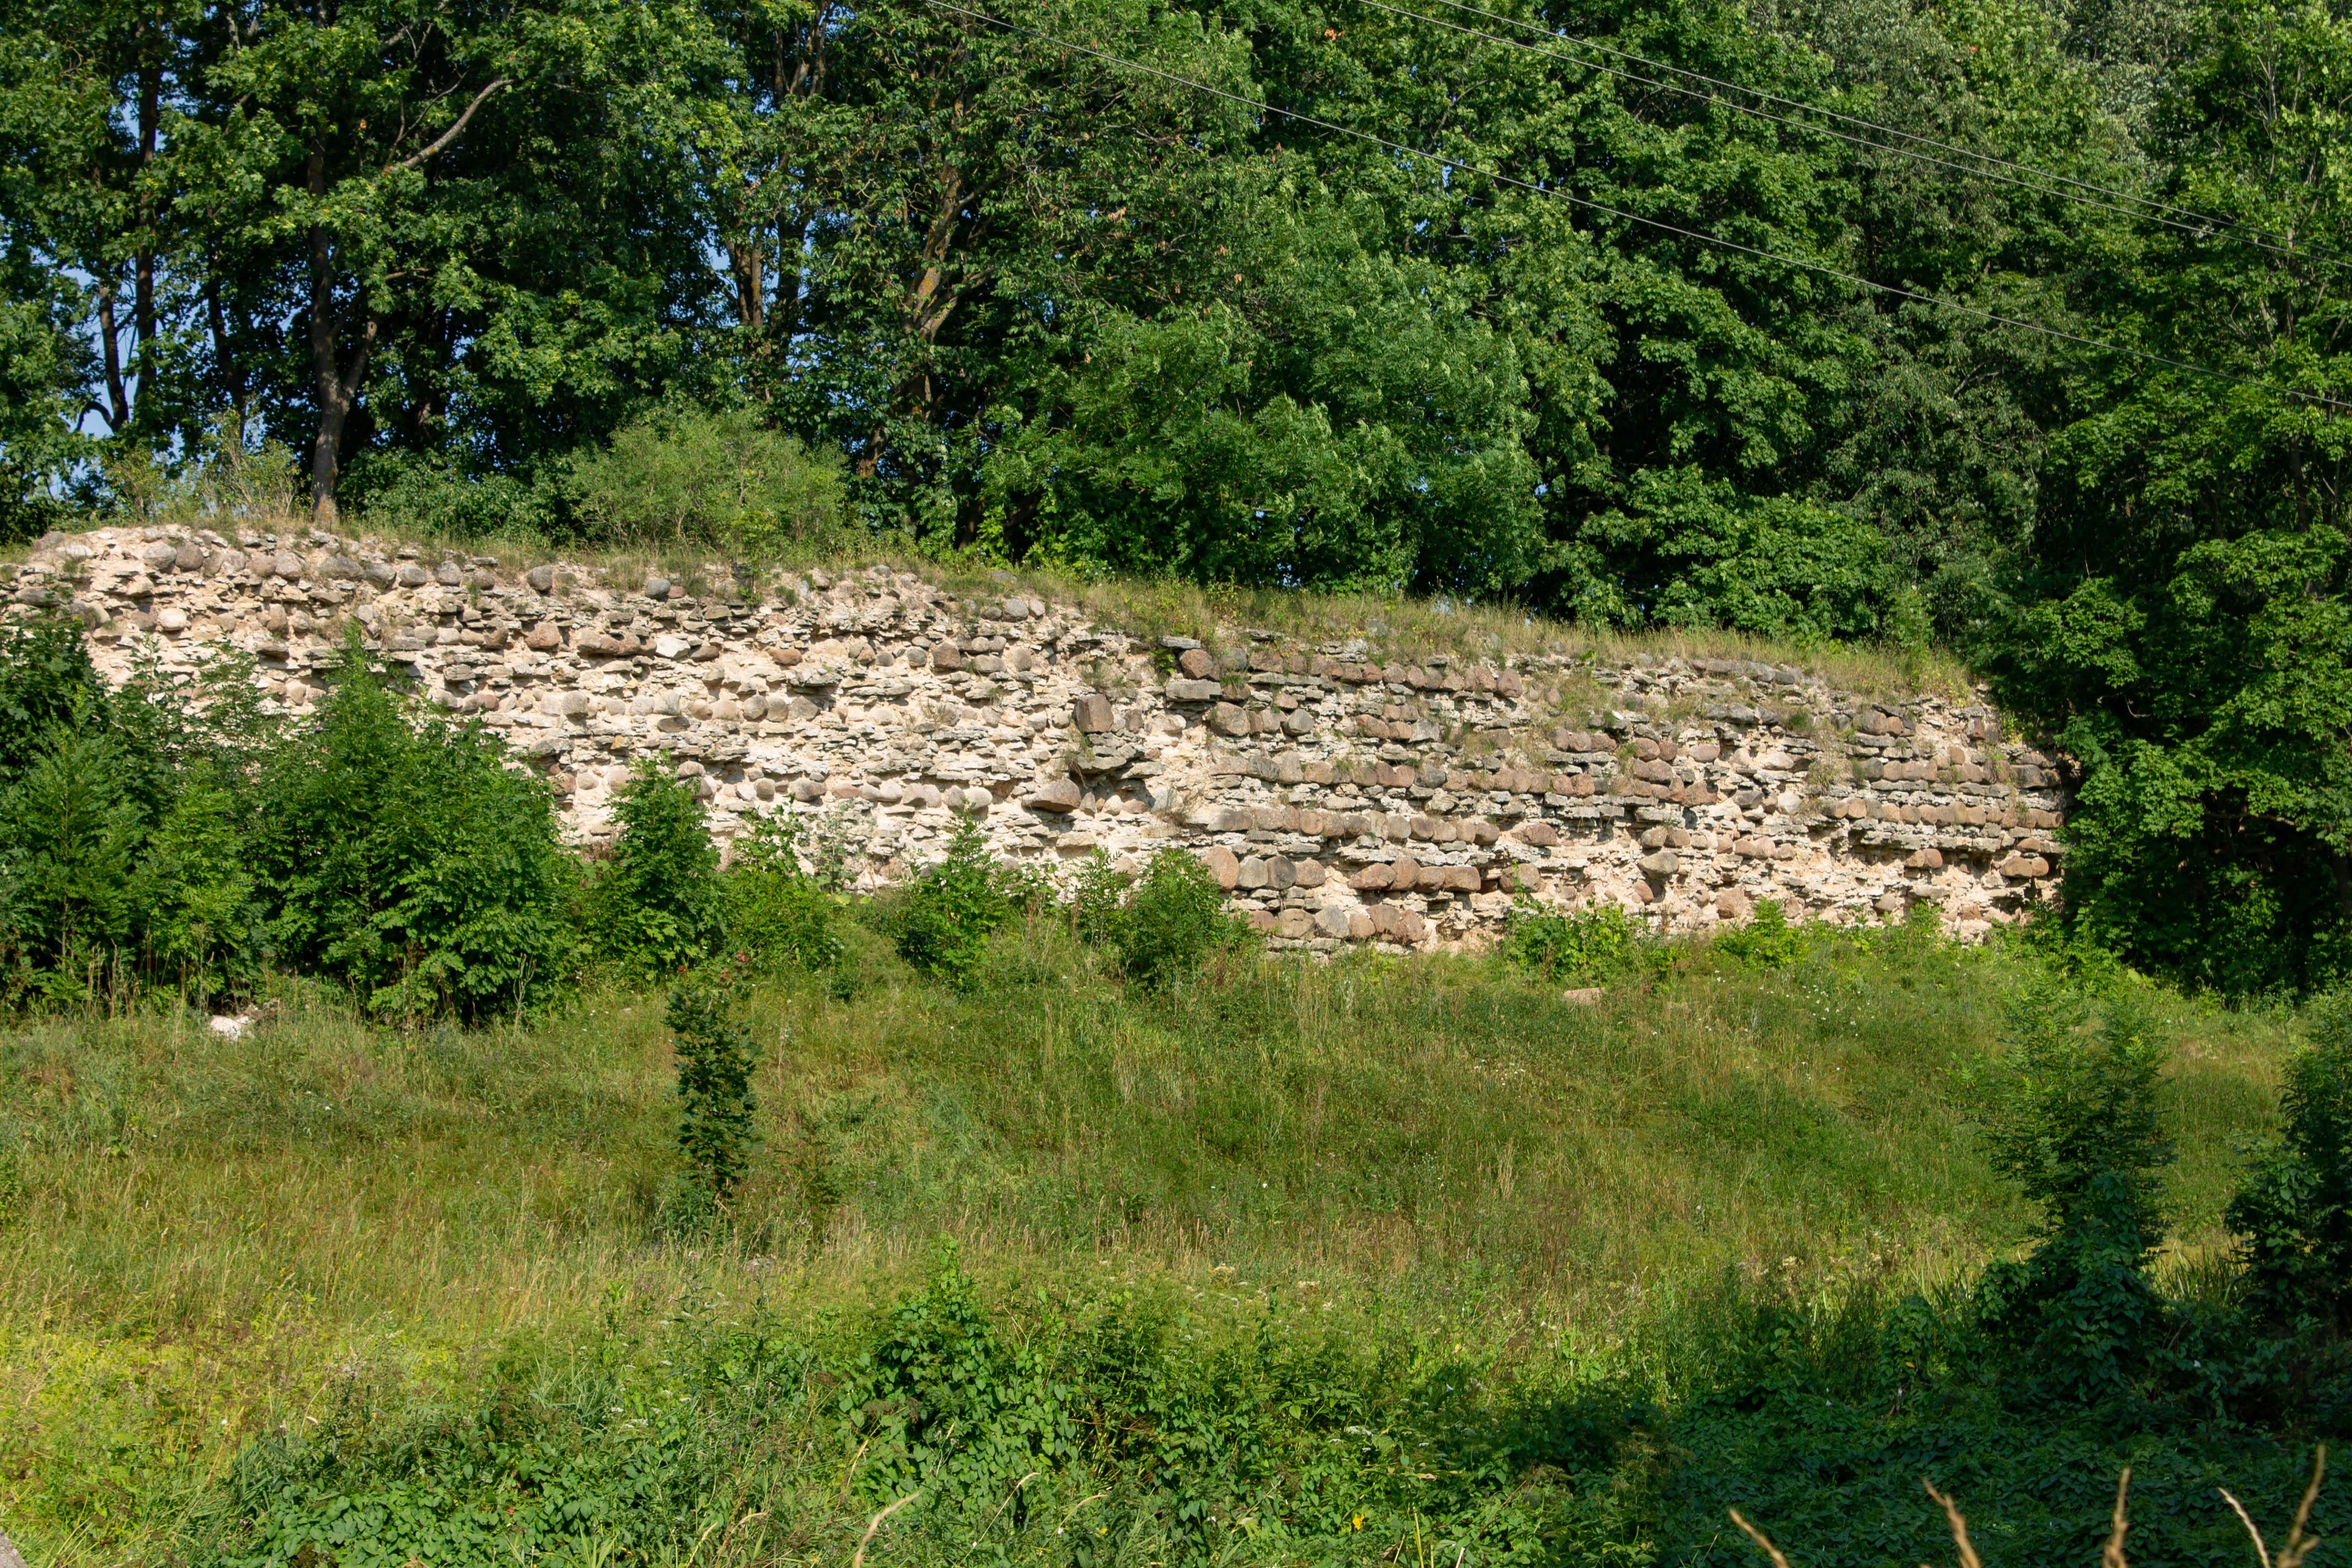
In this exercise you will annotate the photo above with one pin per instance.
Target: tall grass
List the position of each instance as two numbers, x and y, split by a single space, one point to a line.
211 1239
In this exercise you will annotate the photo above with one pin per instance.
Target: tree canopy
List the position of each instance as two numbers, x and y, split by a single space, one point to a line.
2017 325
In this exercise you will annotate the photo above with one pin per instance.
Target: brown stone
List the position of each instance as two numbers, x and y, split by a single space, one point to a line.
1251 873
1462 878
1536 832
1221 866
946 656
1227 720
1055 794
1281 875
1371 879
1404 873
1092 715
1924 860
1311 873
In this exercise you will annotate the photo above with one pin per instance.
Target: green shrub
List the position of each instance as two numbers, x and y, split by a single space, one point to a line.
71 835
404 859
1095 902
1766 942
656 906
1574 947
716 477
942 922
715 1132
2070 1116
1171 922
203 911
777 915
2293 1212
432 496
47 681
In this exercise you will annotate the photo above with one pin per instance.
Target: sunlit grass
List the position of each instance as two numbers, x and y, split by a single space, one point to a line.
210 1234
1400 627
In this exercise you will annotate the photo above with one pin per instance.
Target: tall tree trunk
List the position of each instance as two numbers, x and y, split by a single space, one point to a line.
118 412
336 387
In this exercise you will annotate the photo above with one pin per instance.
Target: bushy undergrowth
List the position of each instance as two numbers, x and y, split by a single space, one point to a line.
168 839
1576 947
940 922
1161 927
1115 1419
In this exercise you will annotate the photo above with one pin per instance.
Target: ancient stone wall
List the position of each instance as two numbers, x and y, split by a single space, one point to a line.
1339 797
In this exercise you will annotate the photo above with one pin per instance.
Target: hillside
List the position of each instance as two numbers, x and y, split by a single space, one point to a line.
1417 1201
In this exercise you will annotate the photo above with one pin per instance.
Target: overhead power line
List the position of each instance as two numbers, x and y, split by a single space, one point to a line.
2193 218
1460 166
2206 225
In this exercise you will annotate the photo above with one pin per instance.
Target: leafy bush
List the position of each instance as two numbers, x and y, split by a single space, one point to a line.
438 497
403 858
69 842
716 477
47 681
944 920
1096 902
2294 1210
657 905
1766 942
1574 947
1171 921
2070 1116
777 916
715 1132
203 909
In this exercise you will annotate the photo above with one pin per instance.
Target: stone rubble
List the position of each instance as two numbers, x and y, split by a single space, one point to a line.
1338 799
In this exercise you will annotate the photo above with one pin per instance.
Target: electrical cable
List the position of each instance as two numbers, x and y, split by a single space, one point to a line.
2321 399
2211 226
2200 220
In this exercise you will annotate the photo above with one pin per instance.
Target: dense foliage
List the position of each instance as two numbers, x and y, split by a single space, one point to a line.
1669 342
168 837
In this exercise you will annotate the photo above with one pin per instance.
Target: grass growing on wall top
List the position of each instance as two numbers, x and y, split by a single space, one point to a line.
1392 627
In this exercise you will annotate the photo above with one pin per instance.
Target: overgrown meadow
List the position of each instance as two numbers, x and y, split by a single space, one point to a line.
1286 1263
662 1210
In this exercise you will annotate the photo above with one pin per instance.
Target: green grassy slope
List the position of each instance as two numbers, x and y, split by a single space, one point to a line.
1436 1161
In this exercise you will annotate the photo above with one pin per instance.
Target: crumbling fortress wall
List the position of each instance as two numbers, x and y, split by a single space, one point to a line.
1339 798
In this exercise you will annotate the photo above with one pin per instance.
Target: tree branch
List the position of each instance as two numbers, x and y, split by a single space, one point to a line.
451 135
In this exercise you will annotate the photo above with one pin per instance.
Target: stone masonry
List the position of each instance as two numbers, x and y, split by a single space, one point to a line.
1339 799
